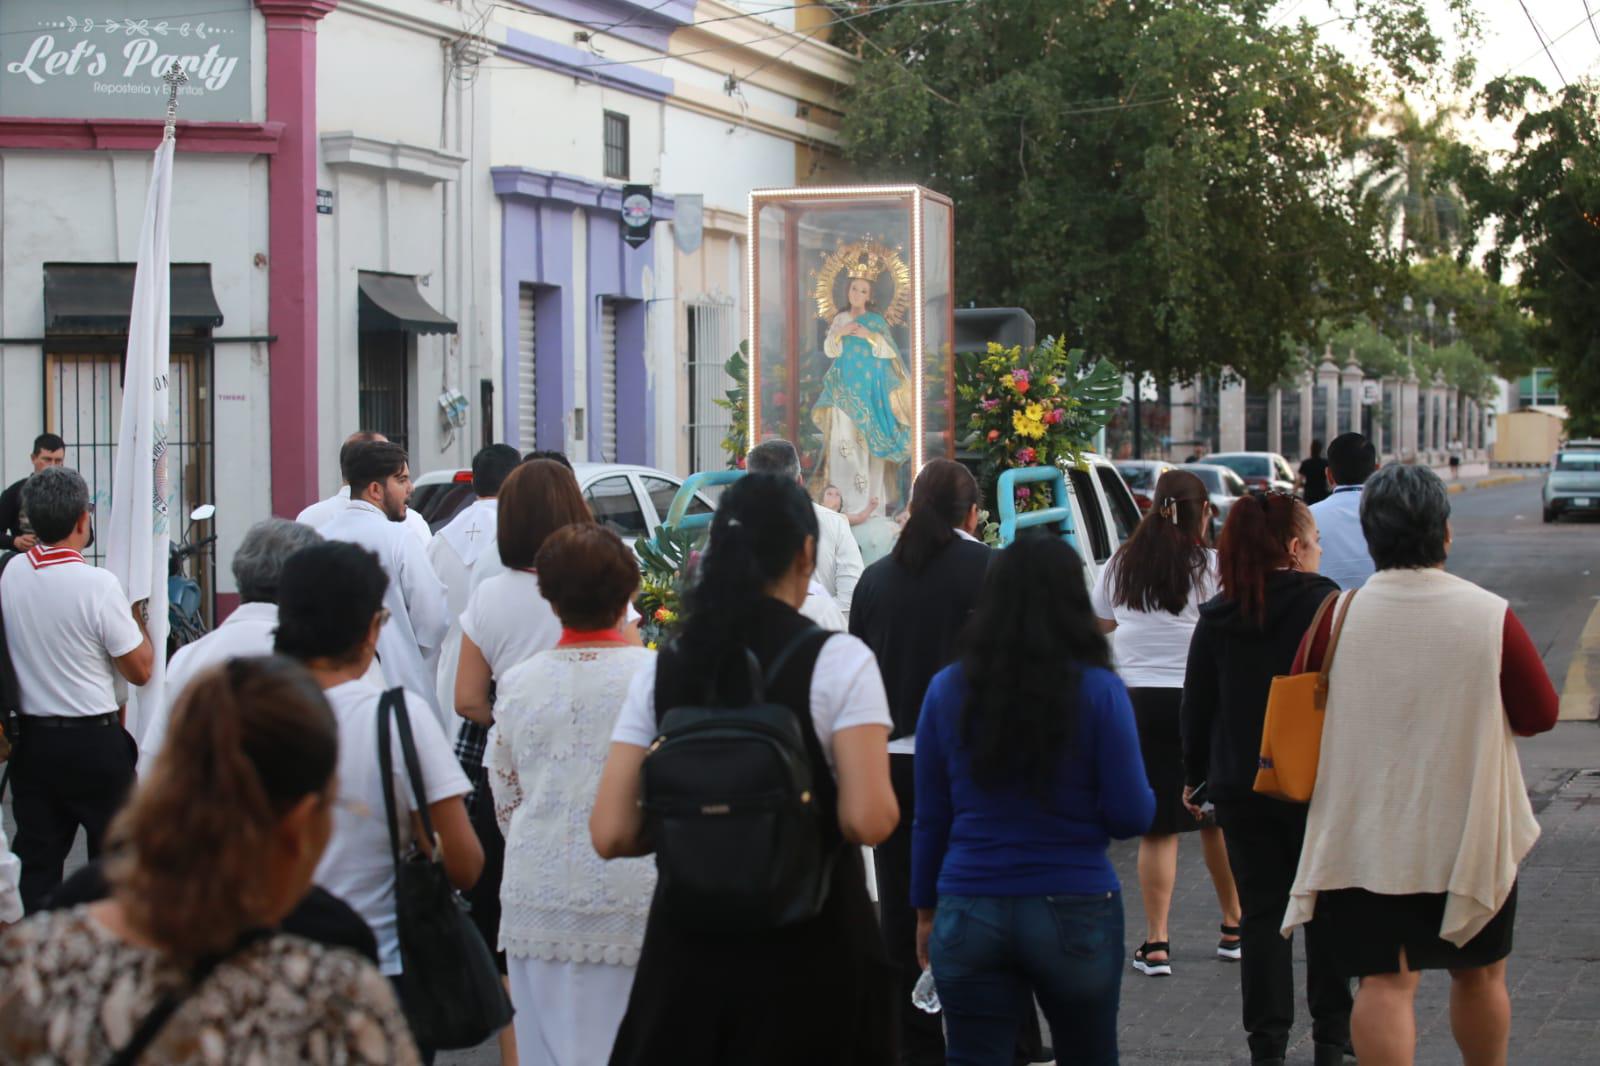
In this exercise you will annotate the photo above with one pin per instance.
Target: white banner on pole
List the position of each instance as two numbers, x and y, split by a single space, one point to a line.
138 534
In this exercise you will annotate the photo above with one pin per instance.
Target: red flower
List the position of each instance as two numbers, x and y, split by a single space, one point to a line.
1026 456
1022 385
1055 416
994 435
739 462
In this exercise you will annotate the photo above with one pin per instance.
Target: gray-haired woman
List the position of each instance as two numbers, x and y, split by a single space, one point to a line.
1420 816
245 632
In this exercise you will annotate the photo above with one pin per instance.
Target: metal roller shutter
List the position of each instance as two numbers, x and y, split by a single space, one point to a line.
608 381
527 369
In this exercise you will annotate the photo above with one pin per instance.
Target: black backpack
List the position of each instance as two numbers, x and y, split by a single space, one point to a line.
740 822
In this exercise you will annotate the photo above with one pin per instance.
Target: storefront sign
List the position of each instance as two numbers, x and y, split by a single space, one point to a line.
105 58
638 212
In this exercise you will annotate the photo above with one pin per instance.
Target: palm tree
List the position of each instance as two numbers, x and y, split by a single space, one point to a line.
1407 179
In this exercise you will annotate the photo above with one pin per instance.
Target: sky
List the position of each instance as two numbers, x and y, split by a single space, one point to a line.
1509 44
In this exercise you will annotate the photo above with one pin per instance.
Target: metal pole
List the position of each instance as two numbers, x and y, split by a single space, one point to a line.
1138 418
174 77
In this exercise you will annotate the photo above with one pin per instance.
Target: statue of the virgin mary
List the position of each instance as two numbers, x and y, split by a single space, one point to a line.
864 407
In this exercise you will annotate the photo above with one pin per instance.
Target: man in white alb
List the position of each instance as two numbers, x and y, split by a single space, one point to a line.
322 512
70 631
245 632
838 555
419 614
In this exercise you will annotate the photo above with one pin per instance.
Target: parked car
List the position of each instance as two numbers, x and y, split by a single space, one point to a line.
1573 484
1223 486
1141 476
1104 513
1260 470
630 500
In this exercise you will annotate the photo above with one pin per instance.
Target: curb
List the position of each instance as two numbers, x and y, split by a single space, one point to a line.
1488 482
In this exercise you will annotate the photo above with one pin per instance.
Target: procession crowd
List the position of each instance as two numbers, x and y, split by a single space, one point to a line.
835 784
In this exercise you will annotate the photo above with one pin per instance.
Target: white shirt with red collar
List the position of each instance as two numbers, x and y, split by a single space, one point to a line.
66 622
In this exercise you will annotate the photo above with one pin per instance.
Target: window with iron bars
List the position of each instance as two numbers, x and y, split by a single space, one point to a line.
616 142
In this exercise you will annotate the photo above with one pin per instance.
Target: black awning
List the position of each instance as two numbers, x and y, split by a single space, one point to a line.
98 297
391 301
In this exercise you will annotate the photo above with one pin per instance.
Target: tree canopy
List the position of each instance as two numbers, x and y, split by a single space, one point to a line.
1546 202
1165 184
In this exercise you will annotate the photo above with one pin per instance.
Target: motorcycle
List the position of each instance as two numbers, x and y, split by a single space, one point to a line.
186 624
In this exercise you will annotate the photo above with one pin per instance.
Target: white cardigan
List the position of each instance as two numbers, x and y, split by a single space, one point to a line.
1419 788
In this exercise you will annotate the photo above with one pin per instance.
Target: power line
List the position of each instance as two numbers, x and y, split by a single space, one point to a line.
1589 17
1540 34
809 35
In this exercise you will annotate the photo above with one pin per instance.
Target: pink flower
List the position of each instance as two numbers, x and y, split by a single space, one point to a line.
779 399
1054 416
1024 492
990 404
1021 377
1026 456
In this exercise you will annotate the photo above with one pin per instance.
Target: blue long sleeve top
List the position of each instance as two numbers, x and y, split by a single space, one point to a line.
972 841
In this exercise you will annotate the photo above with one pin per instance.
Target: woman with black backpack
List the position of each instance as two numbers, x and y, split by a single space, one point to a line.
715 740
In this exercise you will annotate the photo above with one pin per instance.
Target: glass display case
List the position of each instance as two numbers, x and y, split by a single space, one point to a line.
852 321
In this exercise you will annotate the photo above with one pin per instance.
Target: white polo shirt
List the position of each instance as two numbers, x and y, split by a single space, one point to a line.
66 622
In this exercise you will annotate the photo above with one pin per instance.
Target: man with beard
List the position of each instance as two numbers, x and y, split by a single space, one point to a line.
379 476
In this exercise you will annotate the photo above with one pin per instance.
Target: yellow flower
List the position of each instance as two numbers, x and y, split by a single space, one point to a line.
994 348
1007 381
1035 412
1025 426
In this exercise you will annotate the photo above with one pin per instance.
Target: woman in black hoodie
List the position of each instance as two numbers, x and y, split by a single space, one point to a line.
1267 562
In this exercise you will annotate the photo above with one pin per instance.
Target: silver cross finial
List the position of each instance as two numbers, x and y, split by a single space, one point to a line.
174 77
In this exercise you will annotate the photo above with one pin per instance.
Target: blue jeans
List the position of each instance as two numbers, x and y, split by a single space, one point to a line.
989 951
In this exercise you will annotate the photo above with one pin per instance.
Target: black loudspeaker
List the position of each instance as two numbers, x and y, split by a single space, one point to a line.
976 327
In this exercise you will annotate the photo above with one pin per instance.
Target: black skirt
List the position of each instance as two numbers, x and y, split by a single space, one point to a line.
821 992
1155 712
1368 930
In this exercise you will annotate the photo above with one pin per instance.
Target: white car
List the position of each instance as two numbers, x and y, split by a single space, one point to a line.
629 500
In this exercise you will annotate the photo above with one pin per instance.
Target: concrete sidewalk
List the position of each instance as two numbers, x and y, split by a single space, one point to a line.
1554 978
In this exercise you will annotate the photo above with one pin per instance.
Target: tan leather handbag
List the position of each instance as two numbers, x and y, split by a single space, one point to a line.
1291 739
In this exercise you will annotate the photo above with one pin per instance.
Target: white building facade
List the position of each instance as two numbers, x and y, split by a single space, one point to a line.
402 215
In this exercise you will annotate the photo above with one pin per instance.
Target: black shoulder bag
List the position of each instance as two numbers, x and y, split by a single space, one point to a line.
450 988
10 692
162 1012
735 800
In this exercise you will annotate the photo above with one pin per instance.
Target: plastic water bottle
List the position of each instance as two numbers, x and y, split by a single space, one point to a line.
925 997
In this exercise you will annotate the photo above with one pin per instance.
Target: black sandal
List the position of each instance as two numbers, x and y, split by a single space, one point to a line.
1153 967
1230 950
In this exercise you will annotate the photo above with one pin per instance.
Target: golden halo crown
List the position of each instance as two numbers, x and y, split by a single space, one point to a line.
867 268
870 259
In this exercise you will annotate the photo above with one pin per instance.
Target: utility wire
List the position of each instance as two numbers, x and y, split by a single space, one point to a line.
1589 17
1540 34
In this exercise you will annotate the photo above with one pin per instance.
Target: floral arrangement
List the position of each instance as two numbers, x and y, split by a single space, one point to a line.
1039 406
667 561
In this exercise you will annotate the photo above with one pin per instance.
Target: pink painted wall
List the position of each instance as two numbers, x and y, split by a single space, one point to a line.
292 248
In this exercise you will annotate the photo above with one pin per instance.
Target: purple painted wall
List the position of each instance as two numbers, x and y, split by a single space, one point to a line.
536 238
640 21
540 52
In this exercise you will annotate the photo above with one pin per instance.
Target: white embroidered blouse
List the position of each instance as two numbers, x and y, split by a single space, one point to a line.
560 901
